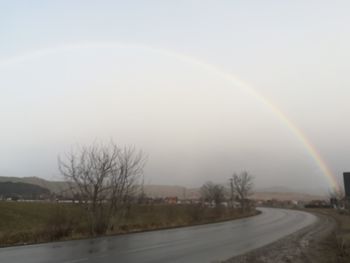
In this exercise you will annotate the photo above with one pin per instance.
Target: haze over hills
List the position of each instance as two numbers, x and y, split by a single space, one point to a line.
161 191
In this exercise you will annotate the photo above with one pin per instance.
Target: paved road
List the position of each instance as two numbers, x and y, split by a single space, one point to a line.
206 243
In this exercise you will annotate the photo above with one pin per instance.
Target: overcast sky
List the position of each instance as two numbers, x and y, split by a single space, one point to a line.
135 81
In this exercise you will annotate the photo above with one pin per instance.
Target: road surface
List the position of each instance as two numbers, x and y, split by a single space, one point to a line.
205 243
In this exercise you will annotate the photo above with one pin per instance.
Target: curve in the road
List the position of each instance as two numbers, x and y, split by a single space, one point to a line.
205 243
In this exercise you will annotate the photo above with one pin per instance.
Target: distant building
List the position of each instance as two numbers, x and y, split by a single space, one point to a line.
318 204
346 176
346 201
172 200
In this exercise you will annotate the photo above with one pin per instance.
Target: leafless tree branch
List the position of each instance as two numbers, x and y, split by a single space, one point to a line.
105 176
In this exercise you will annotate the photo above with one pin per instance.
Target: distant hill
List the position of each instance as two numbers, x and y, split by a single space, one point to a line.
283 196
275 189
53 186
154 191
194 193
285 193
22 190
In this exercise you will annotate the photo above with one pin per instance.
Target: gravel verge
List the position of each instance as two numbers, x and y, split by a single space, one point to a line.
306 245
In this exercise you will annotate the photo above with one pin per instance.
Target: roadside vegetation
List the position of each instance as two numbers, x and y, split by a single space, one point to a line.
336 247
23 223
105 197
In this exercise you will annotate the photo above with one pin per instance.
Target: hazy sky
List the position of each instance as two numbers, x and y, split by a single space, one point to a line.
194 124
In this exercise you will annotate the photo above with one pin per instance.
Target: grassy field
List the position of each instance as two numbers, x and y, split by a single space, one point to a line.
22 223
36 222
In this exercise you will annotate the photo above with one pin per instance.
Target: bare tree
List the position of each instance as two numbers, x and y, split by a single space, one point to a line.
232 193
337 197
242 186
105 177
211 192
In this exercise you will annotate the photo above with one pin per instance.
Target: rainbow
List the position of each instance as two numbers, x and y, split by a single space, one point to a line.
310 148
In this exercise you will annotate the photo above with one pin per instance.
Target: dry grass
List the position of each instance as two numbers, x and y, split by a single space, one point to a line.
22 223
336 248
37 222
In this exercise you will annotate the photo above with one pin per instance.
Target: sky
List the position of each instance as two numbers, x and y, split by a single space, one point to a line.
73 72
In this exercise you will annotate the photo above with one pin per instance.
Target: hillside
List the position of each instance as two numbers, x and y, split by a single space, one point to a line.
53 186
22 190
286 196
161 191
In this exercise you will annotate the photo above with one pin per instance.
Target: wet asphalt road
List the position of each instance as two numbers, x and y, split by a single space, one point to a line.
206 243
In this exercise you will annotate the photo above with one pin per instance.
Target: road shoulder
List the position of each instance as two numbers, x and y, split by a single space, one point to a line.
306 245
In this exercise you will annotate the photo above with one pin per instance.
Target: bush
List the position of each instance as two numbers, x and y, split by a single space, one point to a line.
60 223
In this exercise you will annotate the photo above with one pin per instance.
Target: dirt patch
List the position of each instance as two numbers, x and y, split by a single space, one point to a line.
312 244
